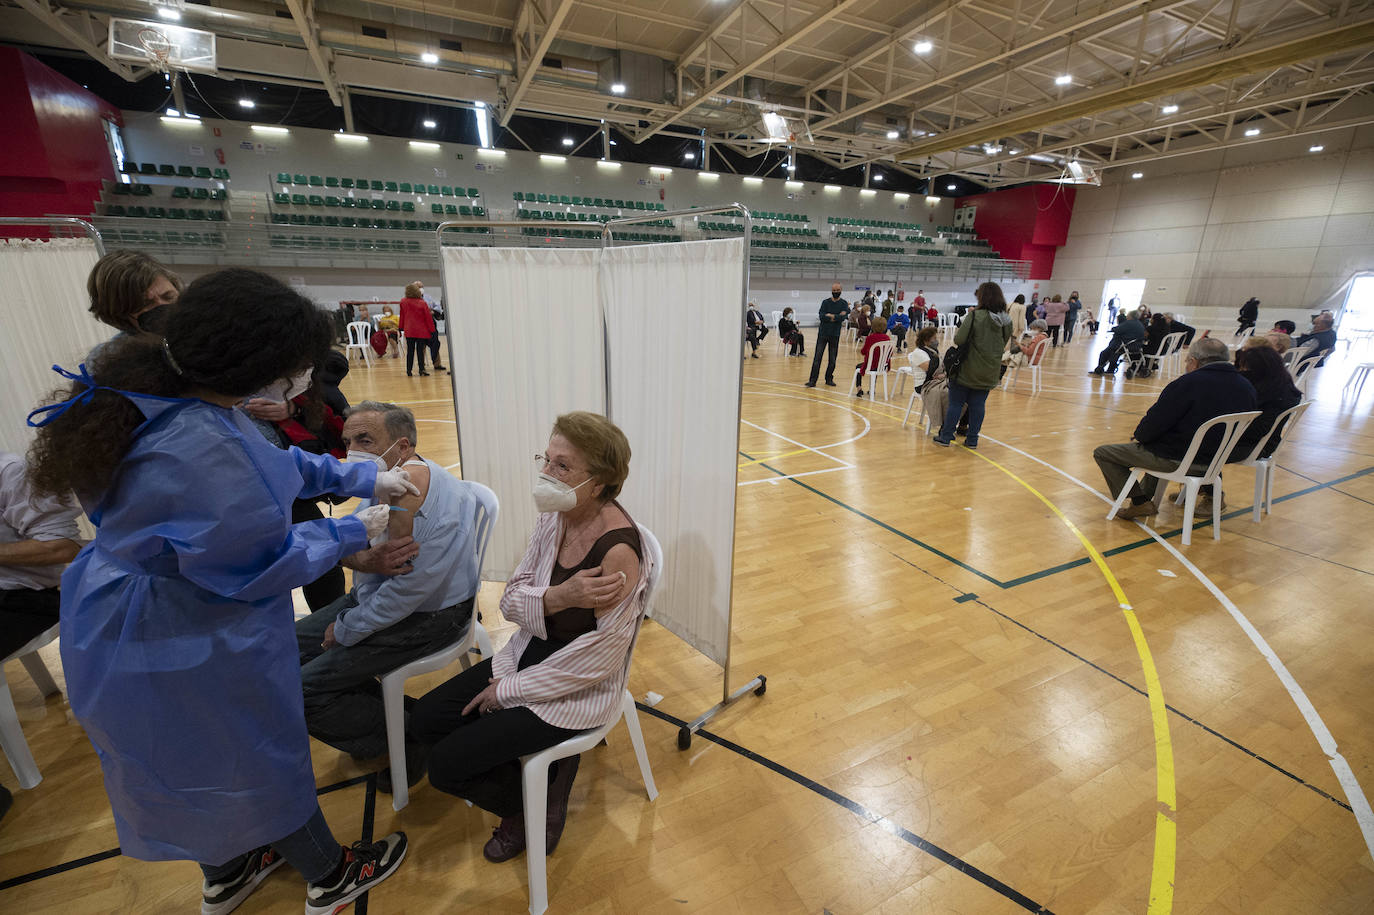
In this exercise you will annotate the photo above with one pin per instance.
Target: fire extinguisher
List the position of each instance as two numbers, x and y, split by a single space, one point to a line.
219 154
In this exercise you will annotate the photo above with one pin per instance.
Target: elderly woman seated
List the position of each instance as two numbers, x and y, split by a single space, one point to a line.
578 597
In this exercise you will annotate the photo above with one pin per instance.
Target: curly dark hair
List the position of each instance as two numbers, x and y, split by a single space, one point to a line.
215 343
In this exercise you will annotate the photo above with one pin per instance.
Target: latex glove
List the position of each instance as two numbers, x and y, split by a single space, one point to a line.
392 484
374 518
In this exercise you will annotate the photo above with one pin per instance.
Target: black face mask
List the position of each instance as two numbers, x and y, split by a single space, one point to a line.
154 320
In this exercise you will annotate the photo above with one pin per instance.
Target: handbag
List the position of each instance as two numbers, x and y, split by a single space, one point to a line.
955 356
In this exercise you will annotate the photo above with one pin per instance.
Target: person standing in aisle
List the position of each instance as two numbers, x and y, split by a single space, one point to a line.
436 311
418 326
918 308
986 332
834 311
1071 319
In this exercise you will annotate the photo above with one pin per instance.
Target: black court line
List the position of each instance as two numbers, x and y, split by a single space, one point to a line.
371 779
906 835
967 596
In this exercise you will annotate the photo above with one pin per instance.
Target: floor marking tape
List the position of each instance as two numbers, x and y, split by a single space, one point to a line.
1354 794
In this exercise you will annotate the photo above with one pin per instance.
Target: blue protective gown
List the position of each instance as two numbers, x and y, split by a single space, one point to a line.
178 636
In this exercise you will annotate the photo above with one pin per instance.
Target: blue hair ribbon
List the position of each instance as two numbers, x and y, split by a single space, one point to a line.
52 411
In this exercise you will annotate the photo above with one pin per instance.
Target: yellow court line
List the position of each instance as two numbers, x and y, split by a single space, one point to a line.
1166 792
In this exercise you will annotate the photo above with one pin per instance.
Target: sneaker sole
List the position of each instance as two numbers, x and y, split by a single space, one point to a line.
233 902
338 905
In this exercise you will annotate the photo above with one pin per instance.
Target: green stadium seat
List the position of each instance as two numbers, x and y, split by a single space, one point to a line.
281 199
437 209
157 213
407 206
316 200
316 181
377 185
390 186
316 220
148 168
379 204
404 187
179 193
432 189
393 205
450 209
331 221
331 201
114 209
138 212
298 200
464 210
345 182
473 192
518 197
411 225
200 193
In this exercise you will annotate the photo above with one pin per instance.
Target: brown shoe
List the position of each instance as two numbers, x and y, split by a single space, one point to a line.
560 790
507 840
1131 512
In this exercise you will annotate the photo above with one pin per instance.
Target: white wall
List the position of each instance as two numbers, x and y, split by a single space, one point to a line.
1210 230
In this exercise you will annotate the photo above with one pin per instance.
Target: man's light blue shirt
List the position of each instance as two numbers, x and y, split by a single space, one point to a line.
445 571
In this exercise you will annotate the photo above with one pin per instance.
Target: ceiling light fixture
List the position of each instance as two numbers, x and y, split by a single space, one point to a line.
430 124
549 157
1169 109
424 144
832 187
618 88
876 178
167 12
708 174
177 119
1252 132
932 201
429 57
607 163
1063 79
751 179
247 103
892 134
688 157
661 169
795 184
1137 175
922 47
567 141
491 152
267 128
901 196
483 117
867 192
951 187
351 137
1315 148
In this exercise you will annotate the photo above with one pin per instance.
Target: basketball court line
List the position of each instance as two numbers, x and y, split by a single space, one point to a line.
1345 776
801 448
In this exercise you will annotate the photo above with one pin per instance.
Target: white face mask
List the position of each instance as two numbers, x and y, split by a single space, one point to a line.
357 457
553 495
287 388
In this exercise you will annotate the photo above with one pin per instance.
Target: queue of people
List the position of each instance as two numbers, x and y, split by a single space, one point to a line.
191 442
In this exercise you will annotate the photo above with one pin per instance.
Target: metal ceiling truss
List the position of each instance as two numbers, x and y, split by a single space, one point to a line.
322 58
536 26
84 31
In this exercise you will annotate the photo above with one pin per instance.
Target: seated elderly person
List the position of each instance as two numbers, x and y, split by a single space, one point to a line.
578 597
1127 337
389 619
1321 338
1210 387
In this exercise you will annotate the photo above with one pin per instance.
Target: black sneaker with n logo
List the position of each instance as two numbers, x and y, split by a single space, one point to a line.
365 865
225 896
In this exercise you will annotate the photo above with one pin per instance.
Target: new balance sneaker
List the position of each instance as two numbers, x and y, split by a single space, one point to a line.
365 866
219 898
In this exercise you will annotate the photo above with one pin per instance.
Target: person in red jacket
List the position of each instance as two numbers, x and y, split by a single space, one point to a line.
877 334
418 326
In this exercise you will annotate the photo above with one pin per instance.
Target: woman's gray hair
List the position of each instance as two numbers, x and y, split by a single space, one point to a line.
1039 324
399 422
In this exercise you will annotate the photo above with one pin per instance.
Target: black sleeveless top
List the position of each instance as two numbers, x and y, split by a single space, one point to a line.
568 624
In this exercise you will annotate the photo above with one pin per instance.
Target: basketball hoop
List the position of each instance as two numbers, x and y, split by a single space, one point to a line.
157 46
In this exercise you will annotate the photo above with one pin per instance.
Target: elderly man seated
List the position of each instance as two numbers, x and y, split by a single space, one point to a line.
1127 338
1210 387
1321 338
394 613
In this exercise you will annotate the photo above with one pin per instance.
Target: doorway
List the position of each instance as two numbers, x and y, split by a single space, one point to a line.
1119 296
1358 312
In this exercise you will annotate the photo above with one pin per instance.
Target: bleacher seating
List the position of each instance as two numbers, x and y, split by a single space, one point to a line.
875 249
533 199
176 171
873 223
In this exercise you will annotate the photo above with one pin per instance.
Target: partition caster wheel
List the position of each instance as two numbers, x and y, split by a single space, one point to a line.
684 738
763 686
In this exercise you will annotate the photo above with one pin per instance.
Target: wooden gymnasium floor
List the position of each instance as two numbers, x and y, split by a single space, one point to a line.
958 718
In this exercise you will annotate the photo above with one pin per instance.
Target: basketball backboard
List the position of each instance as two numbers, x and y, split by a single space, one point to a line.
162 46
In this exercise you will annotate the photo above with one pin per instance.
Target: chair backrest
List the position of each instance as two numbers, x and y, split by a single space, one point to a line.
1171 343
358 332
777 316
651 546
1233 427
1284 423
918 374
879 355
1303 364
488 508
1038 352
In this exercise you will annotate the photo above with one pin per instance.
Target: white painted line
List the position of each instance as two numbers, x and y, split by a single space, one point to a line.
795 476
1354 794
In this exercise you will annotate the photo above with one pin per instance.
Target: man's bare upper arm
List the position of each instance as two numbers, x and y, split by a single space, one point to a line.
402 524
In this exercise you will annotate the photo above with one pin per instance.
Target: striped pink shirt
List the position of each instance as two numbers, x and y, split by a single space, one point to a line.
578 686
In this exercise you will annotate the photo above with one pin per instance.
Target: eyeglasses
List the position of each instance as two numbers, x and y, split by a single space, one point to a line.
543 460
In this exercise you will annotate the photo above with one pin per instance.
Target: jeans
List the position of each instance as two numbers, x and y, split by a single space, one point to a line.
413 346
476 756
24 613
343 700
312 850
959 397
434 351
1070 322
823 344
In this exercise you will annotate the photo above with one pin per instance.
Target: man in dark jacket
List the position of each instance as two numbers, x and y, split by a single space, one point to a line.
1210 387
834 312
1128 334
1321 338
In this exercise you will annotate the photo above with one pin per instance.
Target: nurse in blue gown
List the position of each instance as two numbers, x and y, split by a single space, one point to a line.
178 636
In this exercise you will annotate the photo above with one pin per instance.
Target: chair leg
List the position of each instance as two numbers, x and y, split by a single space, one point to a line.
536 789
631 716
1190 488
38 671
909 401
1216 508
1131 480
483 640
393 705
1269 486
12 740
1260 475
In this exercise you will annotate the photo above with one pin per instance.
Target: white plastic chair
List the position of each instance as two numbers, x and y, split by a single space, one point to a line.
11 735
777 316
910 370
534 769
876 367
1357 378
1033 363
1302 368
1162 359
1264 466
1233 427
394 683
359 332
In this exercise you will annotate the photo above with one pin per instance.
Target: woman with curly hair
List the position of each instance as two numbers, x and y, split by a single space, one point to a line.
177 631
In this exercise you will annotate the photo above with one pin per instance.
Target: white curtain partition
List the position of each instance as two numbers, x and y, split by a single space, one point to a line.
674 318
45 319
512 377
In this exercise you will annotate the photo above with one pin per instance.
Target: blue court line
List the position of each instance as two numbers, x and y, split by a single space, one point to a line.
1052 570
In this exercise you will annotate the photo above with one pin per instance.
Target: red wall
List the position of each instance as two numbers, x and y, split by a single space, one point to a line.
1025 223
55 153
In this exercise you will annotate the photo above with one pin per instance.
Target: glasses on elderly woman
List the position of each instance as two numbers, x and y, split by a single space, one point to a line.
543 462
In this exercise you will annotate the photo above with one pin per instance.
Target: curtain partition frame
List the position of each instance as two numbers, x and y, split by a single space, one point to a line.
759 684
91 231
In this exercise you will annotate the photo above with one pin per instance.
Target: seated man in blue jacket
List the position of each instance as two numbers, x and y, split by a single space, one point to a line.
1127 336
1210 387
389 619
